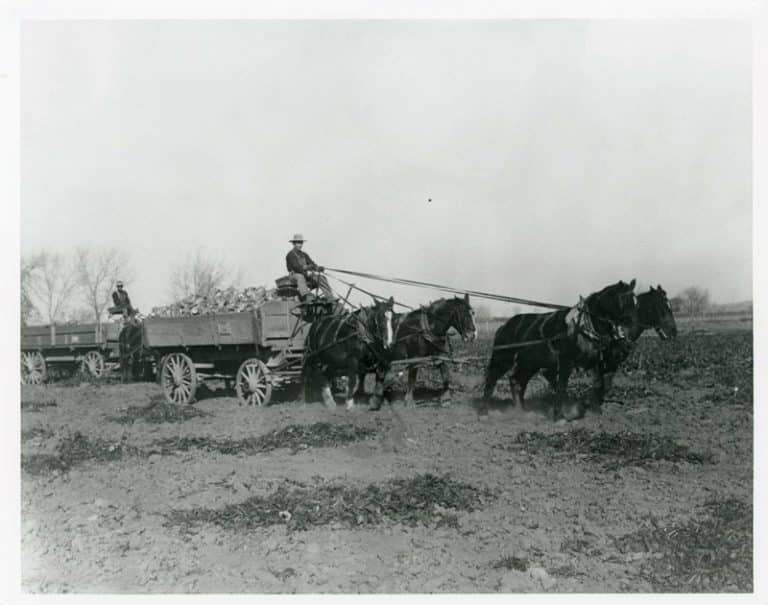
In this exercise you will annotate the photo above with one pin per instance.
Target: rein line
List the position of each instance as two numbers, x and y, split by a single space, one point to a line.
478 294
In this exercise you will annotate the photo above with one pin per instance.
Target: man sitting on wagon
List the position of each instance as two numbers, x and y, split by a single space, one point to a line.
305 271
122 301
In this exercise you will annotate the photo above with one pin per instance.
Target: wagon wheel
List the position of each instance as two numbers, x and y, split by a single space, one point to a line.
33 368
93 364
253 383
178 378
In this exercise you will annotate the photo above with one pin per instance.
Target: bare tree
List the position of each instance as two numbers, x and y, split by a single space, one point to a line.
201 274
30 269
53 287
695 300
97 272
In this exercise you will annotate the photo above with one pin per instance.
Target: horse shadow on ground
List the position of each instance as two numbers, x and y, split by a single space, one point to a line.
538 405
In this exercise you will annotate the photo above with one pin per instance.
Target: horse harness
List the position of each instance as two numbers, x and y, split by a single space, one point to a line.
578 323
362 332
440 343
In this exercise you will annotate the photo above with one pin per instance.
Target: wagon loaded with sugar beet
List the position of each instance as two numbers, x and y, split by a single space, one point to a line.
254 350
64 348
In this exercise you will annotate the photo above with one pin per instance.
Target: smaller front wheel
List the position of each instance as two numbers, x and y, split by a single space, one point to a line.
93 364
253 383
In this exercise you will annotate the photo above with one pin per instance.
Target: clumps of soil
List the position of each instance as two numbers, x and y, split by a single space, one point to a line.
626 393
708 553
511 562
159 411
565 571
37 405
295 437
427 499
36 432
41 464
724 359
614 450
75 449
721 394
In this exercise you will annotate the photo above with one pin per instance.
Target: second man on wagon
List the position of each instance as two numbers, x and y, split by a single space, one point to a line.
305 271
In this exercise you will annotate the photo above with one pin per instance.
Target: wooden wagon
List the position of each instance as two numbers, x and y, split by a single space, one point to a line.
256 350
90 346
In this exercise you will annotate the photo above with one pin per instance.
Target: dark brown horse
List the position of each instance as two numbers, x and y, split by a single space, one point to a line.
131 349
424 333
653 312
559 341
348 344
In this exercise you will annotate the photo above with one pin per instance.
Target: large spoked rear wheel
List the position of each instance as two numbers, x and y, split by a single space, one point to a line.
93 364
33 368
178 378
253 383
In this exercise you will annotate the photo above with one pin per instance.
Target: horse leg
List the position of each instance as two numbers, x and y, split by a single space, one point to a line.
517 378
360 383
598 390
308 376
352 385
328 399
564 370
496 369
518 383
445 373
607 382
378 390
412 374
551 375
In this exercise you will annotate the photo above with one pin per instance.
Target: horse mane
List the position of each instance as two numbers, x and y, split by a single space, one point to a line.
440 302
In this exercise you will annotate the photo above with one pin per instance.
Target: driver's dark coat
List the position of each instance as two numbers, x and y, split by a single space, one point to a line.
121 299
298 261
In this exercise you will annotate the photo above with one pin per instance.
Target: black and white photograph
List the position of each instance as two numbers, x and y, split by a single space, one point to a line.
383 306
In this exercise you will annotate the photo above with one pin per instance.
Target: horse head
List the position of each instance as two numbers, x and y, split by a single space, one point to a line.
379 321
458 314
616 304
657 313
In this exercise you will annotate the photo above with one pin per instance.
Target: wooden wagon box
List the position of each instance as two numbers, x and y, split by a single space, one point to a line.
271 325
65 336
201 330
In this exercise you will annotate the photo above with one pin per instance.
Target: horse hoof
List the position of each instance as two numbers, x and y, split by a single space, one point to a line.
350 405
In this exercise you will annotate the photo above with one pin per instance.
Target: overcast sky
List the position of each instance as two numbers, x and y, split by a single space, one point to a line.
559 156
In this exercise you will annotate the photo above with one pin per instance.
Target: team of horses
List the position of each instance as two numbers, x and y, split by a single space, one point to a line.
596 335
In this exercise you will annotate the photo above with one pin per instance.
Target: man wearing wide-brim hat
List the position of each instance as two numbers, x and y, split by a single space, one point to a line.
305 271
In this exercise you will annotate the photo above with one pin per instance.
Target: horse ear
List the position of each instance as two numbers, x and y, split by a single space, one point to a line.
632 284
466 297
391 301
